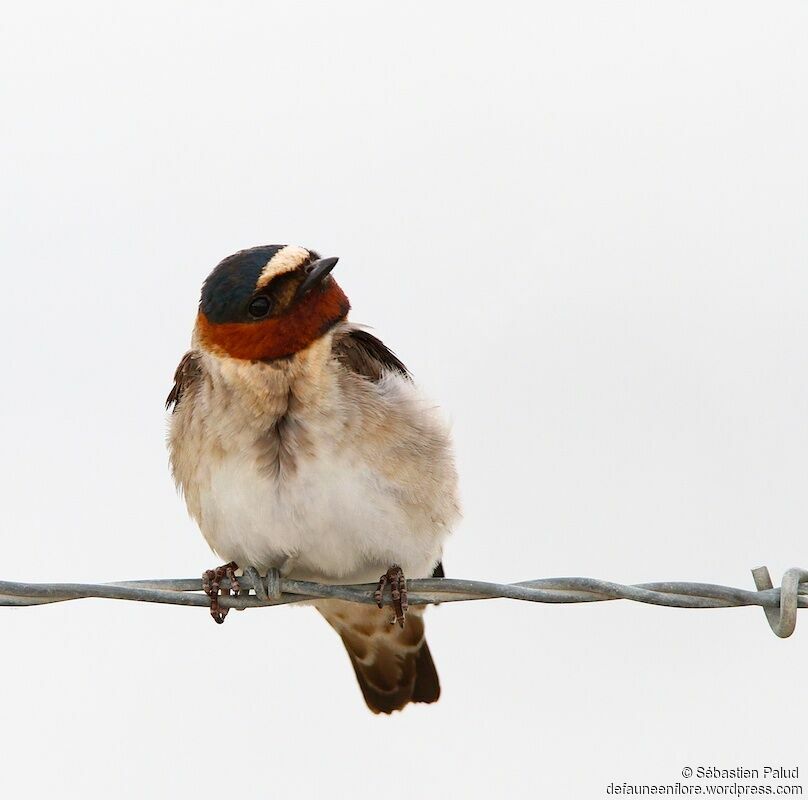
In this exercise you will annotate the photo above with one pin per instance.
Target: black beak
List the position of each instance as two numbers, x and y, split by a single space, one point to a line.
316 273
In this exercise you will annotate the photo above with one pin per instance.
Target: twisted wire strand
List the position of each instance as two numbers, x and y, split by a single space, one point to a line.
780 604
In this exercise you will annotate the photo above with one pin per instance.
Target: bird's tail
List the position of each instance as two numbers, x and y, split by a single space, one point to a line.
393 665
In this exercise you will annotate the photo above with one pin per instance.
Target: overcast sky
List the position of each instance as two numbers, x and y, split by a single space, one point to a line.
583 227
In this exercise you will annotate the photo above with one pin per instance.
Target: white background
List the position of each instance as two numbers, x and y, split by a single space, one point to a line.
583 226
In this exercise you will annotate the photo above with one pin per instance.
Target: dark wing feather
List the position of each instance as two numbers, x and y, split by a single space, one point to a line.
187 372
366 355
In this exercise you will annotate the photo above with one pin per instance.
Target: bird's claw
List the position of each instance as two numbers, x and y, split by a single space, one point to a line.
210 586
398 593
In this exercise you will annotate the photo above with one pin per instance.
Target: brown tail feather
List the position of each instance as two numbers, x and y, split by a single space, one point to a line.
393 666
427 685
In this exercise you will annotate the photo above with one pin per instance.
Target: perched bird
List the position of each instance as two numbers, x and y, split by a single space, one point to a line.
300 442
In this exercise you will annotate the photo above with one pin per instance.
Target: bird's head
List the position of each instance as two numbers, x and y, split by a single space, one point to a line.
268 302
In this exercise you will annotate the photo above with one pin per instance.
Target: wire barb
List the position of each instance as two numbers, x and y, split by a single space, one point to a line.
784 621
780 605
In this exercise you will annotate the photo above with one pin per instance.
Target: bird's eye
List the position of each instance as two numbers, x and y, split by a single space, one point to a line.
260 306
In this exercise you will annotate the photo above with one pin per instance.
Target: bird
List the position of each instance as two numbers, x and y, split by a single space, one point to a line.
301 443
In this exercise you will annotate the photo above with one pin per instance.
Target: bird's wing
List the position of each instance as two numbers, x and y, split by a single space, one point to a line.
363 353
187 373
393 666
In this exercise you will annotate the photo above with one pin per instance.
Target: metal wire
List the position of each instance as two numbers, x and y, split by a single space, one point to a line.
780 605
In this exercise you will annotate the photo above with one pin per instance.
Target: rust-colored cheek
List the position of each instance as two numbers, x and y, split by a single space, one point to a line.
277 337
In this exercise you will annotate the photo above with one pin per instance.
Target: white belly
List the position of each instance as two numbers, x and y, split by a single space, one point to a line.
332 520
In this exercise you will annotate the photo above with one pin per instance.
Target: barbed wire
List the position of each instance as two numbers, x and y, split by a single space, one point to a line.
780 604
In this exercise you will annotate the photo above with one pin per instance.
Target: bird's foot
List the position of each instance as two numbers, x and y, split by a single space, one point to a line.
398 593
210 586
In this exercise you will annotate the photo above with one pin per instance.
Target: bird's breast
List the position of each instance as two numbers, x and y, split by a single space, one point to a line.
330 516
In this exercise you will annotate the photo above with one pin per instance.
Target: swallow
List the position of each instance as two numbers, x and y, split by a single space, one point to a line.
300 442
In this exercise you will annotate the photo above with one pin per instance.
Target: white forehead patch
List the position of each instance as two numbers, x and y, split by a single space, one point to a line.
285 260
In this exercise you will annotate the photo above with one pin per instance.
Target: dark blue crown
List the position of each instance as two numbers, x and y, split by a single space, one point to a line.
227 290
